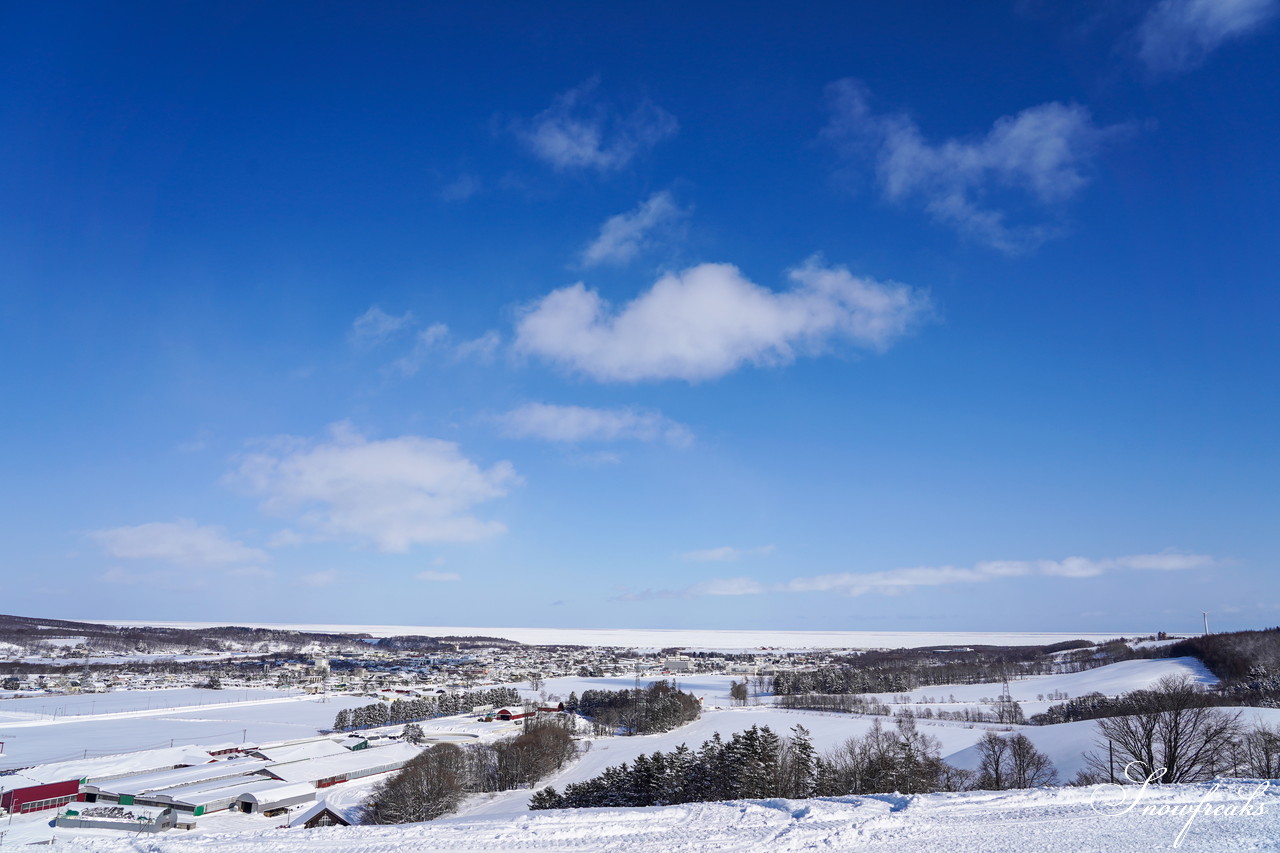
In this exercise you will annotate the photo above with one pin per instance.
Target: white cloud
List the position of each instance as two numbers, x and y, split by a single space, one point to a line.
897 581
1177 35
622 237
434 576
376 326
316 580
427 340
481 348
437 338
725 553
1043 154
252 572
708 320
581 131
727 586
461 189
183 543
394 493
580 423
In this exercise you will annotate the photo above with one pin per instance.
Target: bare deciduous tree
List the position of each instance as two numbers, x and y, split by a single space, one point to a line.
1170 733
1259 753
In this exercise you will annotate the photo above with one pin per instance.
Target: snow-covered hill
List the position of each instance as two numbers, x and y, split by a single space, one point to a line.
1070 820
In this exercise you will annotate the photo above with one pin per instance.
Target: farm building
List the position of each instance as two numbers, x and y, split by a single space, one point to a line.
168 787
123 764
125 819
298 752
355 764
269 795
21 794
508 715
48 786
321 814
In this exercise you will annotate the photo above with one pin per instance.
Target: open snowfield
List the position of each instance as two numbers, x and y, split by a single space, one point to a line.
685 638
280 717
1045 821
1110 680
828 731
84 704
1033 821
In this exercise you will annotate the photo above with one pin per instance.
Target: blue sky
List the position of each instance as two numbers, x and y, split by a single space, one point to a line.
912 316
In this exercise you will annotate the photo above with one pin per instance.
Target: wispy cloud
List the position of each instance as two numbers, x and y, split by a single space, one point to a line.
725 553
424 342
181 542
572 424
901 580
1177 35
437 340
622 237
718 587
481 348
709 320
155 579
393 493
376 326
461 188
580 131
897 581
438 577
1043 154
316 580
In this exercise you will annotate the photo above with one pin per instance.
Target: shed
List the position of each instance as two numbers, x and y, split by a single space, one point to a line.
270 795
322 772
321 814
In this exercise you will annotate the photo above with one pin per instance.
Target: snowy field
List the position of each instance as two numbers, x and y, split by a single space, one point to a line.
685 638
1032 692
82 704
1047 821
280 717
827 730
118 660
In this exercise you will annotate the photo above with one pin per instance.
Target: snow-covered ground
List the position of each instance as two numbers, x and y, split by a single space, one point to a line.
827 730
654 638
1040 820
1044 821
84 704
279 717
1033 693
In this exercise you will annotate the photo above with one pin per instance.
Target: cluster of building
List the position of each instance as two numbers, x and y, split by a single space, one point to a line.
159 789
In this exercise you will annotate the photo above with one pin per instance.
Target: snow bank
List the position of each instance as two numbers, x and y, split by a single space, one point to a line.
1045 821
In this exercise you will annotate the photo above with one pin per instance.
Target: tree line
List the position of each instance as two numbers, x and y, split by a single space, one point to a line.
658 707
903 670
757 763
434 783
423 708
